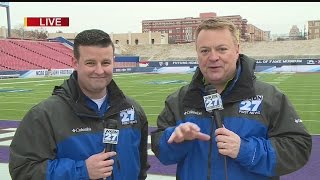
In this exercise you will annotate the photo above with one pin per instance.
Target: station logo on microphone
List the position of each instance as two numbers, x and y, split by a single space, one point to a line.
110 136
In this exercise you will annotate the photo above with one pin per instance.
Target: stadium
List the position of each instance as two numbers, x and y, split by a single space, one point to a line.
29 70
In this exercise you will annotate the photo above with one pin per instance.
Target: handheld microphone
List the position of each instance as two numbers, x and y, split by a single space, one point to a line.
213 104
110 137
110 134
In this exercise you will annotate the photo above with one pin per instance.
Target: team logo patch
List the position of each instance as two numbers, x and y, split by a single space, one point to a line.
127 116
251 106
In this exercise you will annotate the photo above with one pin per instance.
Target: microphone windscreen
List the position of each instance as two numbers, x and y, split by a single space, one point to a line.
111 124
111 133
210 89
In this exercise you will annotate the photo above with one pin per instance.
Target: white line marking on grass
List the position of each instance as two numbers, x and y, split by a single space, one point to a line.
150 153
304 99
126 74
5 135
160 177
122 87
22 97
8 134
145 94
24 82
311 120
21 110
160 91
303 92
302 111
5 143
152 114
13 102
152 106
305 104
304 95
301 85
10 129
40 84
6 87
148 100
272 82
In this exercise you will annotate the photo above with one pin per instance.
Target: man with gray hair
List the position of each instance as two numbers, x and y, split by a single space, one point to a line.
260 135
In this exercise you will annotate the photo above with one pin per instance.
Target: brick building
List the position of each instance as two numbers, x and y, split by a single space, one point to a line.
314 29
182 30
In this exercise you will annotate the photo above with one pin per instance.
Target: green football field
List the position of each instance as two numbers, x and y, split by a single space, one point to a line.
19 95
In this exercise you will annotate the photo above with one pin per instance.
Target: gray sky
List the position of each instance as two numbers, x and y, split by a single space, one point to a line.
122 17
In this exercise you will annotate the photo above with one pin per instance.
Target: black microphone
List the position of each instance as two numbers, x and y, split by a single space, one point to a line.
110 134
213 103
110 138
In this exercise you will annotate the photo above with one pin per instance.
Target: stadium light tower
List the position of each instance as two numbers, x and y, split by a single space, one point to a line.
6 5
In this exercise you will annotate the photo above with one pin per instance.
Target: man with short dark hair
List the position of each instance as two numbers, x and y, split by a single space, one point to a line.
62 136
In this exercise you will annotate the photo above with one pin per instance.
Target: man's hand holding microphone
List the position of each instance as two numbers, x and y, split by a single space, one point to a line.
100 165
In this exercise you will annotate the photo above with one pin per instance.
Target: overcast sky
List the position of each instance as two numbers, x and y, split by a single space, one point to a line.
122 17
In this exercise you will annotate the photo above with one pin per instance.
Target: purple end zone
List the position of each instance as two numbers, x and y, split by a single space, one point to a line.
4 154
150 129
4 150
158 168
309 172
9 124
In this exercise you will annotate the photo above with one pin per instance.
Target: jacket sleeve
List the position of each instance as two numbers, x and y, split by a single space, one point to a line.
166 122
33 152
289 137
287 147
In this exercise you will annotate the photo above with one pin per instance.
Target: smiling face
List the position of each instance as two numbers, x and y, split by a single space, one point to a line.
218 53
95 70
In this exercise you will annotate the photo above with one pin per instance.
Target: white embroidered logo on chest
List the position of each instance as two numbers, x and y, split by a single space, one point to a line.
127 116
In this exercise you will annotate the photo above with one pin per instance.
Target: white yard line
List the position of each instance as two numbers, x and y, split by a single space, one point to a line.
38 81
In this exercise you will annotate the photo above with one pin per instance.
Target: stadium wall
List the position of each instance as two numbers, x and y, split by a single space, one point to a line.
266 66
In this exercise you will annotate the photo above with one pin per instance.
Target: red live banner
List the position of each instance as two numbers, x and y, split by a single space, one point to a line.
46 21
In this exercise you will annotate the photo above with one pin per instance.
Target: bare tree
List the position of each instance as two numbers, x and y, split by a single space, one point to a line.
41 34
20 31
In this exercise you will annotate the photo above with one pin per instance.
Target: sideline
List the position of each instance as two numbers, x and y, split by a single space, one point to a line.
6 176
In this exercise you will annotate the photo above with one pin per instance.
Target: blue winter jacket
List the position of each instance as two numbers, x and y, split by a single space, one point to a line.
57 135
274 140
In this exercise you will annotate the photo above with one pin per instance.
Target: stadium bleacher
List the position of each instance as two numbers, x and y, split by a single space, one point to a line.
262 49
27 54
19 54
